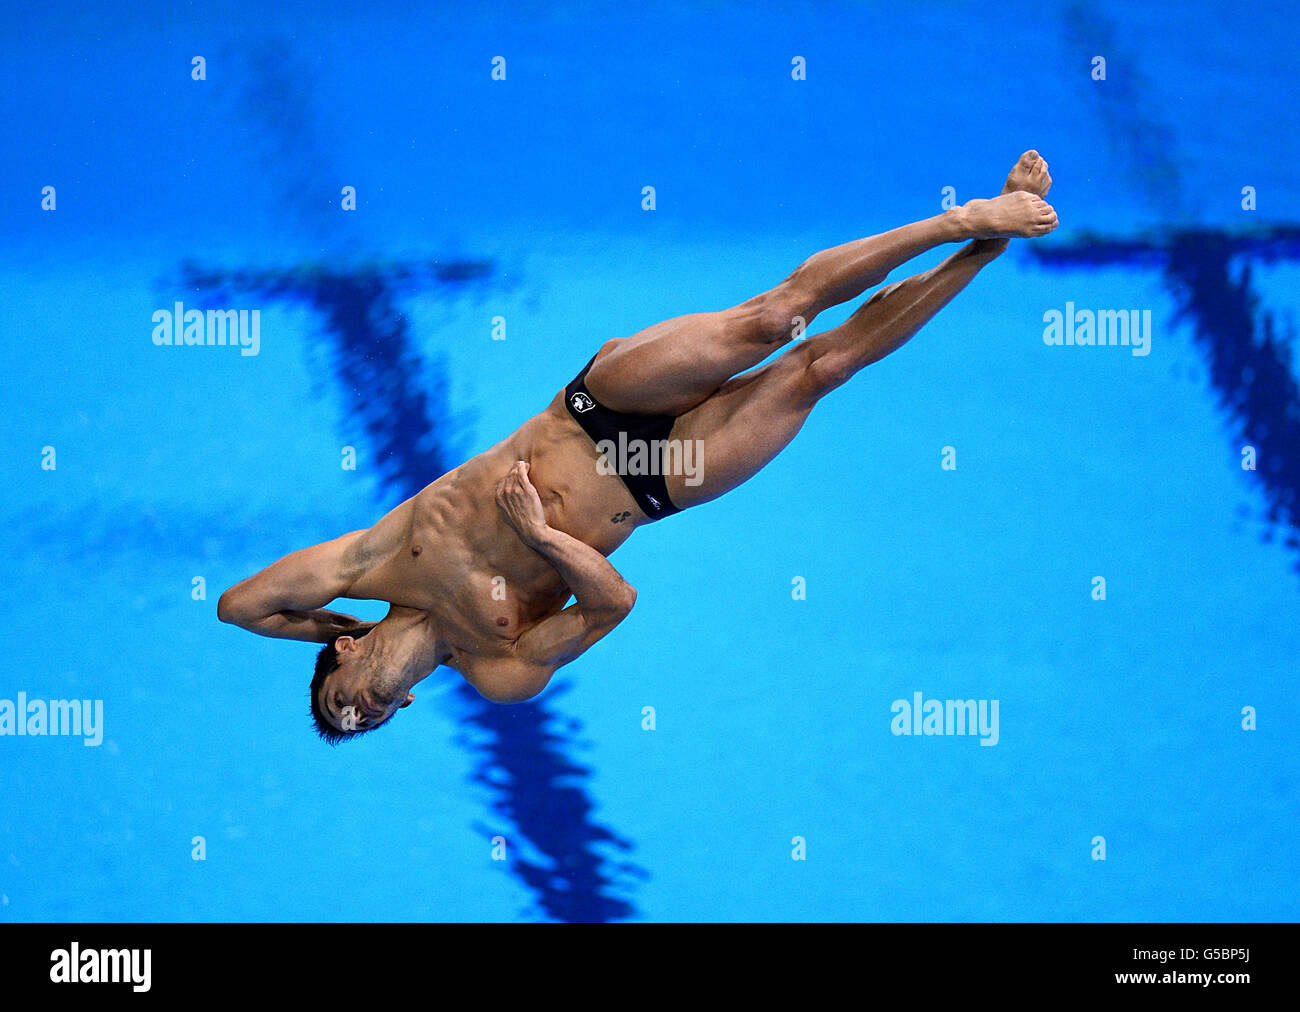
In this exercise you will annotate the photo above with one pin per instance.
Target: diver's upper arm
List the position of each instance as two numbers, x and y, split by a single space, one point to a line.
507 679
563 637
301 581
539 652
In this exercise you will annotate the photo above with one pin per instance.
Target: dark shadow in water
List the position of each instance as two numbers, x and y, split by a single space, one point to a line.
524 760
1249 360
570 879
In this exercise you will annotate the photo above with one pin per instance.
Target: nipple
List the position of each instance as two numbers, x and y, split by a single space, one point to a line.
503 621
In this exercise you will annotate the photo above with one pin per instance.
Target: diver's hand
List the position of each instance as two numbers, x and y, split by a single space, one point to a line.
522 506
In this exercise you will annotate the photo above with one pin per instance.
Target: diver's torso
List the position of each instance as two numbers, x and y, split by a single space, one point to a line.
455 556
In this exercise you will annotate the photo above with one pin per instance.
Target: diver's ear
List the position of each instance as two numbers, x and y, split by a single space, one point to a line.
342 643
410 698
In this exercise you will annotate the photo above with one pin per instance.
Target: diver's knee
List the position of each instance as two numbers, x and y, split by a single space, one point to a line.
785 313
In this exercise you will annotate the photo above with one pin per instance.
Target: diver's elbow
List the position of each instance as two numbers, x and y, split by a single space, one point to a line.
227 609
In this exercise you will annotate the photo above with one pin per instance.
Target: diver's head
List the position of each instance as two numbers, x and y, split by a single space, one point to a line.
355 688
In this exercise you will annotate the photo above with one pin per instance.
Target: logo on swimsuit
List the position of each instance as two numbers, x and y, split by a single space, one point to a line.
581 402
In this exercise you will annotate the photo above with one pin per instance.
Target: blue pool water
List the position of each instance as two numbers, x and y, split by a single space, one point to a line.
1119 719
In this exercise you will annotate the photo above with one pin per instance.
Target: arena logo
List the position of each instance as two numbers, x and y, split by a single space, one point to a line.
652 456
1125 328
74 965
233 328
946 716
82 717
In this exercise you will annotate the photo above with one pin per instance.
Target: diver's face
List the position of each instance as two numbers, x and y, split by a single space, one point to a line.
355 696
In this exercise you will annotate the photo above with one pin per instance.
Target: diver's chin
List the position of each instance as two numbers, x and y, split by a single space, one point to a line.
384 697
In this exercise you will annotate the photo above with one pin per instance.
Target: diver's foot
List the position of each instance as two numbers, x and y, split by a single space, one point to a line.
1029 174
1017 215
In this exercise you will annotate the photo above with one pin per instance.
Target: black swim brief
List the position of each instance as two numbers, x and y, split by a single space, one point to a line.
601 423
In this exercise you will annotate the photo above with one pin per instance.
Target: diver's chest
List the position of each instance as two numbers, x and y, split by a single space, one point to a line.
494 608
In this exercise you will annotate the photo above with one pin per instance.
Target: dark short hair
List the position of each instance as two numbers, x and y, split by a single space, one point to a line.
327 662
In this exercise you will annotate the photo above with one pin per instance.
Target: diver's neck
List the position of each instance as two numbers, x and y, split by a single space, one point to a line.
416 641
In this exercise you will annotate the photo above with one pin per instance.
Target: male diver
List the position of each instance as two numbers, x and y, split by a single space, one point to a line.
478 566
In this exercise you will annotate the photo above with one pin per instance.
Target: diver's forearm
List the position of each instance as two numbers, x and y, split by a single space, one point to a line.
318 626
596 585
